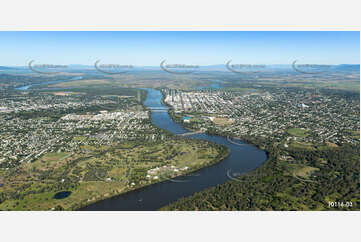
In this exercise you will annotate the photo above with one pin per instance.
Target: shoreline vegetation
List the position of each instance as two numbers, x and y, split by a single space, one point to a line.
299 187
304 180
252 191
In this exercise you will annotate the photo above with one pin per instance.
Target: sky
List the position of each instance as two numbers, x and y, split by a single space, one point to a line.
193 47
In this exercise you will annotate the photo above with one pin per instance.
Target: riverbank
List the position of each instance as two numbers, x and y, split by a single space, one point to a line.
239 158
244 140
175 178
224 153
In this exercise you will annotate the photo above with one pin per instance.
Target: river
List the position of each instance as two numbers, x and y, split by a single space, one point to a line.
26 87
243 158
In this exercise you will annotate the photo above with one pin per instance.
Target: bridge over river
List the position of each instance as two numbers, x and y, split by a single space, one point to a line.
158 109
192 133
241 160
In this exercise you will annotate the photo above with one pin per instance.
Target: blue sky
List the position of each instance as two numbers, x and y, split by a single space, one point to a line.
194 47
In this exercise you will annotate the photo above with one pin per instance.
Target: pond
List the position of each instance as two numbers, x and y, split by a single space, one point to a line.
62 195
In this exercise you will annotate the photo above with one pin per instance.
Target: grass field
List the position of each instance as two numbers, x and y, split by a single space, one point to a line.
312 146
298 132
303 170
80 83
96 173
222 121
49 161
355 134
